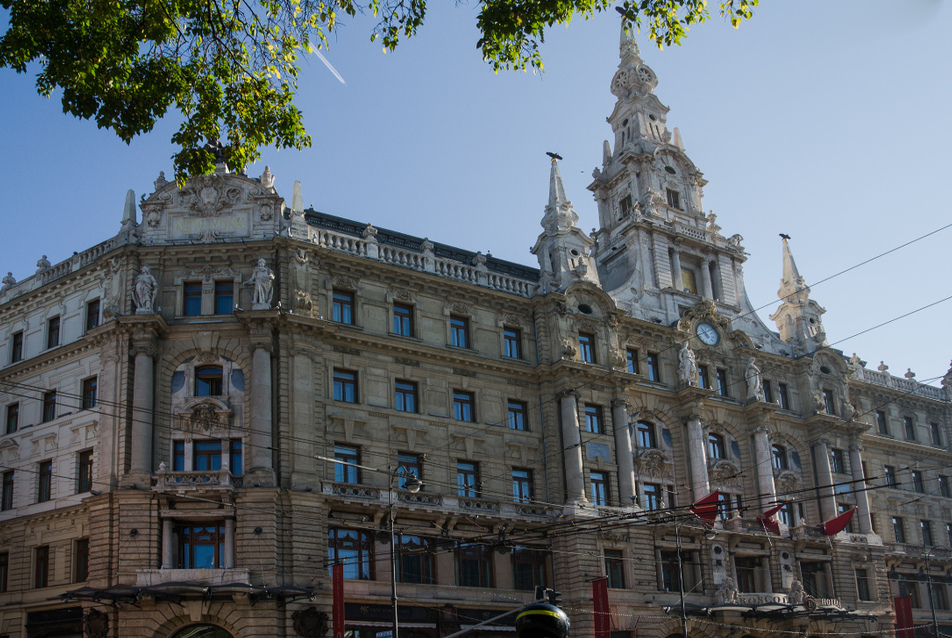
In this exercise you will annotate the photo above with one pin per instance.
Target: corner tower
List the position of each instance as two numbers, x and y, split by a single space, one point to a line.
798 317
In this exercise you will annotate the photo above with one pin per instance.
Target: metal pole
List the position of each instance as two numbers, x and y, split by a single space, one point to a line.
935 623
393 554
684 613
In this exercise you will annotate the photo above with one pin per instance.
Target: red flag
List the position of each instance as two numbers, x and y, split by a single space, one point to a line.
603 619
836 525
706 508
767 519
337 586
904 626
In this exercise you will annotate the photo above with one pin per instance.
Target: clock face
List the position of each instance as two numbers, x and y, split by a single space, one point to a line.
707 334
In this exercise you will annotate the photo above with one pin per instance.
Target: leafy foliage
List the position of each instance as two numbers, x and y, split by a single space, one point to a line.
230 67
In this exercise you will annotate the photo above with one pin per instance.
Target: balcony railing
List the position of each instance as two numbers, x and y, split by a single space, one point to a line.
182 480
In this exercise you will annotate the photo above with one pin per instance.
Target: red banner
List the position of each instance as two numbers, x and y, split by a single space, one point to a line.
706 508
603 616
903 607
836 525
338 587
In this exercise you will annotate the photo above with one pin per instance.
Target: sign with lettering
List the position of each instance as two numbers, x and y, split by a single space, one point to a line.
231 225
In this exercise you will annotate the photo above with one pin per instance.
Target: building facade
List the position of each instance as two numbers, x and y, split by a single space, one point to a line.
205 412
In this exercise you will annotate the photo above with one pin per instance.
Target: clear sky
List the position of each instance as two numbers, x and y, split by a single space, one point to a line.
828 121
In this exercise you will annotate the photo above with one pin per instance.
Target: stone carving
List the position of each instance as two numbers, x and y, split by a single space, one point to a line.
303 303
734 241
96 624
727 593
145 291
42 264
712 226
568 349
262 279
8 280
265 212
755 382
652 463
207 195
310 623
687 366
725 474
267 179
796 595
160 181
370 233
882 367
910 374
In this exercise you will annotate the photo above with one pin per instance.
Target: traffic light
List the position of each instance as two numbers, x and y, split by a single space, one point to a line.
540 592
555 598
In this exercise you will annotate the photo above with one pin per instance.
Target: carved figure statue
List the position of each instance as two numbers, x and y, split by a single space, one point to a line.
145 292
262 278
755 382
795 597
687 366
727 592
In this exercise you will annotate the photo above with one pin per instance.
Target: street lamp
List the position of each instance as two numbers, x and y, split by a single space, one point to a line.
412 484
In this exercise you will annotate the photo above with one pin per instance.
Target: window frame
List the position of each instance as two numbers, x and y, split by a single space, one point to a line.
899 529
615 568
421 549
41 566
467 479
44 481
224 289
837 461
93 314
925 531
653 498
7 490
459 332
355 553
918 481
412 464
889 476
882 422
346 387
188 533
208 379
936 433
192 298
909 428
768 391
12 423
80 560
53 332
829 401
236 457
4 572
49 406
405 396
469 555
673 198
517 415
586 347
343 307
16 346
716 446
511 343
347 474
464 406
599 488
90 391
403 324
207 455
84 471
531 562
594 418
654 367
778 454
783 396
631 361
723 384
646 435
522 485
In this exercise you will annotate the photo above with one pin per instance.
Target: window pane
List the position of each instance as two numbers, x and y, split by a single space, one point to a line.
343 307
403 319
192 291
224 297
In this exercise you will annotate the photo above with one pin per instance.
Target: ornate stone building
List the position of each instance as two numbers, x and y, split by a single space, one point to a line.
204 412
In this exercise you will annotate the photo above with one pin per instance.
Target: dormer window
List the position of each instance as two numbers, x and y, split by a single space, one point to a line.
208 381
674 198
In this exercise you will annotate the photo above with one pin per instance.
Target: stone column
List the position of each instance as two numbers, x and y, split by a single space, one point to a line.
676 269
143 392
824 477
168 543
859 489
623 455
260 454
708 292
697 457
766 492
228 560
572 449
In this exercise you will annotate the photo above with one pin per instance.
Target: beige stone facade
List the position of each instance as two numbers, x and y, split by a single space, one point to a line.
204 412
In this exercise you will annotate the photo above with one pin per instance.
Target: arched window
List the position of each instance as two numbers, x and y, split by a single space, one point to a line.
208 381
646 435
715 446
779 454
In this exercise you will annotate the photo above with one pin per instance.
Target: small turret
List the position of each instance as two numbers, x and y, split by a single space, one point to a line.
798 317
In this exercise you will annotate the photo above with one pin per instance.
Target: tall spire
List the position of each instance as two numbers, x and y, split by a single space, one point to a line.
559 213
791 283
798 316
628 44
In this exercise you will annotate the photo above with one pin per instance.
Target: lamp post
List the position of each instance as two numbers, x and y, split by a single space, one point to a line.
413 485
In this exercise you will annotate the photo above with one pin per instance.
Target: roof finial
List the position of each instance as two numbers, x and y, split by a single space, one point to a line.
627 45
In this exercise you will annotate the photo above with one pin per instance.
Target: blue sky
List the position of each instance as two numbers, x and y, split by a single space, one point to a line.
828 121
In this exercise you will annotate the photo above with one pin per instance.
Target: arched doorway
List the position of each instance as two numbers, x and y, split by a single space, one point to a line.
202 631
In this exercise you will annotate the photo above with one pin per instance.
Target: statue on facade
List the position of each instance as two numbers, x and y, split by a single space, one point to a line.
796 595
687 366
145 292
755 382
262 278
727 592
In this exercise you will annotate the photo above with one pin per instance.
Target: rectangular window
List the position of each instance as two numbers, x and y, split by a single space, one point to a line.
92 314
881 423
654 498
16 347
862 585
944 487
201 545
646 435
459 331
44 481
941 595
409 464
206 456
345 386
512 343
343 307
464 406
81 560
528 568
631 359
4 571
899 530
615 568
13 418
674 198
224 297
41 566
403 319
473 565
236 465
748 570
704 379
599 487
669 571
829 401
49 406
192 298
586 347
345 471
467 479
925 527
209 381
405 397
415 560
837 461
723 388
910 427
354 550
521 485
90 389
625 205
593 419
910 588
517 411
654 367
889 476
768 392
178 456
934 431
688 281
918 485
784 396
52 332
84 471
6 501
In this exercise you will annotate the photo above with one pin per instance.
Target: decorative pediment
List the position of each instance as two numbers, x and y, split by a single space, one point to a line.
203 415
787 481
724 473
706 310
207 195
653 462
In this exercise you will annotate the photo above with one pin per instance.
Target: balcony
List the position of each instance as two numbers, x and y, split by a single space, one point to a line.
182 481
